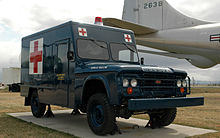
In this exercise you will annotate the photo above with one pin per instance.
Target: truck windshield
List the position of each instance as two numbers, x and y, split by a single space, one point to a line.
92 49
123 52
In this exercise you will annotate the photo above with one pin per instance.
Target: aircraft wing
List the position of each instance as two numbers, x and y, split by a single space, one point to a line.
180 56
196 60
136 28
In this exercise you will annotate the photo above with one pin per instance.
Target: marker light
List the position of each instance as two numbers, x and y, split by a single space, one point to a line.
125 83
129 90
179 83
184 83
158 81
98 21
133 82
182 90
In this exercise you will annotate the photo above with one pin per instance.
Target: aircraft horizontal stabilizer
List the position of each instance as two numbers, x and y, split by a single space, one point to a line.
196 60
137 29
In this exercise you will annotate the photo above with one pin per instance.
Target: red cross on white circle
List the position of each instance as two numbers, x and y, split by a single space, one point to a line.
127 38
82 31
36 56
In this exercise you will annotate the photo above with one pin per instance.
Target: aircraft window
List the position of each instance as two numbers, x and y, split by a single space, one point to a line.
92 49
124 52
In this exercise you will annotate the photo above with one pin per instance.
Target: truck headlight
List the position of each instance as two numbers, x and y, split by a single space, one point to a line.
179 83
133 82
125 82
184 83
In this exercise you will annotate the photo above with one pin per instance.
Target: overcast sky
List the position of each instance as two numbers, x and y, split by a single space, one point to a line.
23 17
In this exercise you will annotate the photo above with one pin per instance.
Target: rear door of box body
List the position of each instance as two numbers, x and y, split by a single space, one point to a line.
61 72
61 91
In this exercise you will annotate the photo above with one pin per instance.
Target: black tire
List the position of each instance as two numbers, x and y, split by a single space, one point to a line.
15 88
100 115
165 118
37 108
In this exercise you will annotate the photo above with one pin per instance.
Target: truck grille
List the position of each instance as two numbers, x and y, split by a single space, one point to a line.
159 85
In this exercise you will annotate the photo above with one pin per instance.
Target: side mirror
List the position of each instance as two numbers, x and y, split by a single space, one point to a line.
142 61
70 55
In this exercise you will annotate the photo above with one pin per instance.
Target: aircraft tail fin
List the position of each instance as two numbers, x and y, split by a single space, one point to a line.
156 14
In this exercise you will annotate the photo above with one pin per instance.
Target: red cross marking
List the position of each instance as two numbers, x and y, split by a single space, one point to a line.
83 32
128 38
36 57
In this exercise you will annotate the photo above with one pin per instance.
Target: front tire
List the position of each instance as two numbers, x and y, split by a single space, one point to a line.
37 108
100 115
164 118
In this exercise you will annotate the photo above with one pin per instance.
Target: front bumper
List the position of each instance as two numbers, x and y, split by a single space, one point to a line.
162 103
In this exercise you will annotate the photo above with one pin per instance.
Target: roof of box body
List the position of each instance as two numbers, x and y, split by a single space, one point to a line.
76 23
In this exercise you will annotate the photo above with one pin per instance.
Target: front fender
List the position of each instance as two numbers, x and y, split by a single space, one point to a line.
110 85
103 80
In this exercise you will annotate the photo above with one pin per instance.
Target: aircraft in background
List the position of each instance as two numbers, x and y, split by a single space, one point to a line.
158 25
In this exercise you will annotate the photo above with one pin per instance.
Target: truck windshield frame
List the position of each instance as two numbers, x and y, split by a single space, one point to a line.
92 49
116 48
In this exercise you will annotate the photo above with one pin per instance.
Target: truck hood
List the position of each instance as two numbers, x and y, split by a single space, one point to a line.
124 67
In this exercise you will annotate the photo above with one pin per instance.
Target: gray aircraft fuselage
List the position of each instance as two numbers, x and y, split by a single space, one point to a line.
191 41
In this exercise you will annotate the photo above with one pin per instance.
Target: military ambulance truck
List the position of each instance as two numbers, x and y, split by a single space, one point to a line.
96 69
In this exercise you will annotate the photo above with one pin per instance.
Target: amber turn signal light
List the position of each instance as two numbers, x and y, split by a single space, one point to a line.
182 90
129 90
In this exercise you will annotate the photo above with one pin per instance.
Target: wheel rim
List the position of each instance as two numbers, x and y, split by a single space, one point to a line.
97 115
34 104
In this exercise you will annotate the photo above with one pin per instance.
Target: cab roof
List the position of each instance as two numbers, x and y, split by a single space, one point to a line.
70 23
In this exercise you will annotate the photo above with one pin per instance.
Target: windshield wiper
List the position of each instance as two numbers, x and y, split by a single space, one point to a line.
129 48
94 41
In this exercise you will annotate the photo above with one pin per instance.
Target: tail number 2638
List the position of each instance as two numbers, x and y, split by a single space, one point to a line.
153 4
